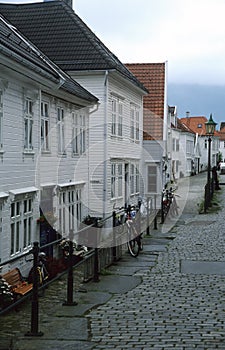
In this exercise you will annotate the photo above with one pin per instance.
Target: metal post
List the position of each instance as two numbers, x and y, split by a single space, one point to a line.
70 301
96 257
114 236
162 212
155 218
208 187
148 214
34 302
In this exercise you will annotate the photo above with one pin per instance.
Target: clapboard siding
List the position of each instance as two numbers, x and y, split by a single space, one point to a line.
103 147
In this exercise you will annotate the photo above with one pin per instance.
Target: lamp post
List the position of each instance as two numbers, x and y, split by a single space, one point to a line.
210 126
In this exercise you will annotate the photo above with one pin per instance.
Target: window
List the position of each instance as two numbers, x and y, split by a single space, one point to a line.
113 180
28 125
120 180
134 179
45 126
176 145
1 119
190 147
151 179
199 126
116 180
60 129
223 144
21 225
78 134
206 143
70 210
117 117
134 123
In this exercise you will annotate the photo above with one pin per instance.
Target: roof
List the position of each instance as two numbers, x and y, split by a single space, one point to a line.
17 46
183 127
152 76
62 35
196 124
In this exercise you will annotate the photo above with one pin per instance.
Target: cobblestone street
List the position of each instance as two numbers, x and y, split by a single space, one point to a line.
172 296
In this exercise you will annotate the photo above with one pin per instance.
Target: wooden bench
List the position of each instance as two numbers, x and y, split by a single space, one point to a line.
16 282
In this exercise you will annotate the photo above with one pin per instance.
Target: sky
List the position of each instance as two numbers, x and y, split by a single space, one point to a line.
187 34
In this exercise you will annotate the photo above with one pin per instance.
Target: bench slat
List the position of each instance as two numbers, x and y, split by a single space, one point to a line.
14 279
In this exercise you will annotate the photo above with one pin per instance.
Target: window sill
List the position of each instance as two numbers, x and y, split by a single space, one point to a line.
28 152
64 155
116 137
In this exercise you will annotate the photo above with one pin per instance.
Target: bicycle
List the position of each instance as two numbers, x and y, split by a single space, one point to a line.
129 220
169 203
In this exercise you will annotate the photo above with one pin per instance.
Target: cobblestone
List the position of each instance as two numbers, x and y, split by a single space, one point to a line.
164 308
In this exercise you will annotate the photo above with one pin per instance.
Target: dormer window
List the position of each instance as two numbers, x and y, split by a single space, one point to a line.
199 126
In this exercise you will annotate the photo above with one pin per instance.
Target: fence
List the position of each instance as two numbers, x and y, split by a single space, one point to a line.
92 262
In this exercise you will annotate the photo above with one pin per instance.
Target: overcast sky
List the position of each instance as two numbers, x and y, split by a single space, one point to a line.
189 34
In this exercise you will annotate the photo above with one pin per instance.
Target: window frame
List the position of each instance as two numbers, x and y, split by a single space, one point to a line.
28 124
117 117
45 126
152 187
134 123
79 134
61 129
21 224
70 209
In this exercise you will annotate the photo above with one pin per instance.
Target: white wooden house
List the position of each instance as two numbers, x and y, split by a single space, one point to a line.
115 144
39 105
197 125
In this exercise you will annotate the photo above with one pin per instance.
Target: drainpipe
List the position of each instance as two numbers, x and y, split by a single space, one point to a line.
105 144
95 108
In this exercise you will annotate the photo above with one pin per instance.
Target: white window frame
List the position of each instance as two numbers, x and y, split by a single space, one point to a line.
117 174
21 222
45 126
116 117
61 130
113 180
69 209
28 125
120 179
79 133
134 179
134 123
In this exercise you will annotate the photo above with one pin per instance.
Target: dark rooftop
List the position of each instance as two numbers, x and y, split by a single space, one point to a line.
25 52
61 34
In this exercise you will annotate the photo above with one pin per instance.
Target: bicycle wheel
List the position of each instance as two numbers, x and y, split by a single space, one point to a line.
132 242
133 247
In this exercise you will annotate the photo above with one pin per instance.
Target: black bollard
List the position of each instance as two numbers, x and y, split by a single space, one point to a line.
96 257
34 303
70 301
148 215
114 237
155 218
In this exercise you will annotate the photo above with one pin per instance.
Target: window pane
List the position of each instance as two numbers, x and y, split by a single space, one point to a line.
152 179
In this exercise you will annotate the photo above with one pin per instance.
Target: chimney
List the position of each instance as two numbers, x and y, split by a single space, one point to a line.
68 2
187 114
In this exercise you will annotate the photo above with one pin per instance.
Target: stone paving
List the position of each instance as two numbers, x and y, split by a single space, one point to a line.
171 297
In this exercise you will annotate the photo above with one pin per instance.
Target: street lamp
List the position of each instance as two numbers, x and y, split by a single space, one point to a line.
210 126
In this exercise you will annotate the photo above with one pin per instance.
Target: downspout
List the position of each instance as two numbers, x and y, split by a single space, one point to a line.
165 124
95 109
105 138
